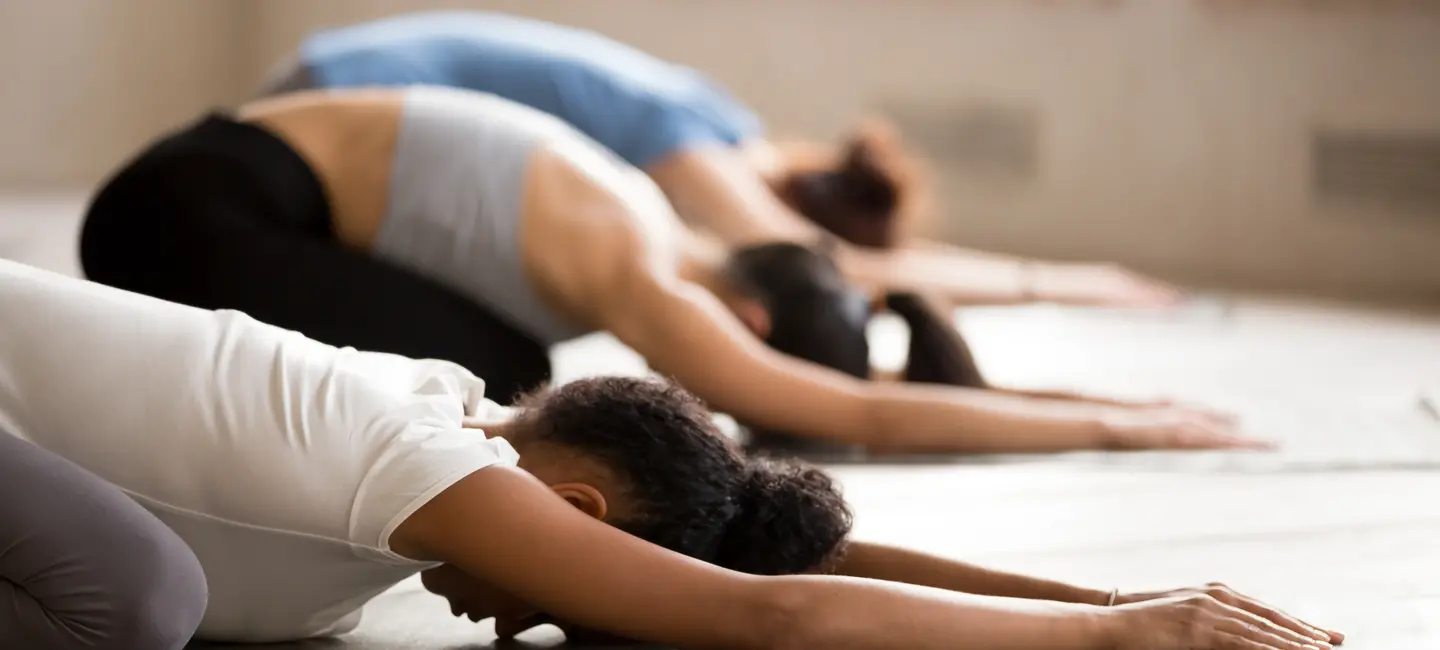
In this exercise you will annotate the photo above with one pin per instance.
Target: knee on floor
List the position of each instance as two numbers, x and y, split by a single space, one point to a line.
162 603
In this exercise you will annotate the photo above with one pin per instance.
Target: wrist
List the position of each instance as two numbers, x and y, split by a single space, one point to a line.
1105 629
1106 436
1088 627
1097 597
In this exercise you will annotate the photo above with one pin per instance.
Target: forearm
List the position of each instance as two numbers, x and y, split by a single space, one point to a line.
683 331
924 418
854 614
718 190
878 562
1064 396
966 279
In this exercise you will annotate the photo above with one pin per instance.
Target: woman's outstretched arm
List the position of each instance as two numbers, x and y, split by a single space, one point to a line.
505 528
881 562
719 190
684 331
971 277
1013 279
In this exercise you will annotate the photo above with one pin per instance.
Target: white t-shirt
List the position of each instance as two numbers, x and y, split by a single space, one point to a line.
284 463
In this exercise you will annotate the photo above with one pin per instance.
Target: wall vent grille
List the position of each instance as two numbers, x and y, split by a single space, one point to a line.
988 141
1392 170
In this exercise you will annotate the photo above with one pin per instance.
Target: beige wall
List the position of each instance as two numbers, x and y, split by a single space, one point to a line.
1172 134
86 81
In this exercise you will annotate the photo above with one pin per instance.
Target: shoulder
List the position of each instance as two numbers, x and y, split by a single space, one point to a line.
602 213
419 461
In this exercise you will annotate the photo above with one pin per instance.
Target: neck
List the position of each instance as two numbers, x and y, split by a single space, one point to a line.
497 428
496 421
506 429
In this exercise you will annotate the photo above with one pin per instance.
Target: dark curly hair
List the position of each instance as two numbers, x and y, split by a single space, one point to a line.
693 490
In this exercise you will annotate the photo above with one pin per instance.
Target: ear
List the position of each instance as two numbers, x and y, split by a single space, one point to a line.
754 315
583 496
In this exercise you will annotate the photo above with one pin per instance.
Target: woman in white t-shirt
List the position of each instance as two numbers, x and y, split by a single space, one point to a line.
306 479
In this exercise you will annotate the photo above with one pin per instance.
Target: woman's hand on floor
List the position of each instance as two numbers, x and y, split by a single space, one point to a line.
1135 428
1099 285
1211 618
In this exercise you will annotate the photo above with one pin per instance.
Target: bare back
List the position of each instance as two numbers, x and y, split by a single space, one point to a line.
581 210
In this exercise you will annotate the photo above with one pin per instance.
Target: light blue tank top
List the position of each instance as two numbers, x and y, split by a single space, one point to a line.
638 106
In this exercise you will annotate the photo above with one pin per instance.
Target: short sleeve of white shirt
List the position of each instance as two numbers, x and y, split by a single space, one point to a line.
425 450
422 461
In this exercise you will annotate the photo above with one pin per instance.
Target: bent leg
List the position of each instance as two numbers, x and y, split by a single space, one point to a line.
83 566
227 259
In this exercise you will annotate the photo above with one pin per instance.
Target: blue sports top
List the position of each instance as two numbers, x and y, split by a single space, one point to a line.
635 104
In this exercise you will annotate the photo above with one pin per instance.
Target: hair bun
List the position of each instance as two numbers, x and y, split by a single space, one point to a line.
864 182
790 518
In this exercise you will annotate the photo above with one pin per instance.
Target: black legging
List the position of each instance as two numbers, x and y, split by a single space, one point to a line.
224 215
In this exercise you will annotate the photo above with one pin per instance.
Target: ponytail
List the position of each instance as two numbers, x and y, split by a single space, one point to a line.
938 353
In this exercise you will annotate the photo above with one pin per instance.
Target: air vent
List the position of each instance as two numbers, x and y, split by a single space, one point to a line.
1396 171
987 140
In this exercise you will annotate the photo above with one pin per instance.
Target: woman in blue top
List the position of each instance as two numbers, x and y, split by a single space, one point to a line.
706 150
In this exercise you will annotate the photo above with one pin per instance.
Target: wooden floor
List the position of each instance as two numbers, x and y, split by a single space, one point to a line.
1341 526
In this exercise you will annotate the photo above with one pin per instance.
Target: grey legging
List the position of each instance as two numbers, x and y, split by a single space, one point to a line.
84 566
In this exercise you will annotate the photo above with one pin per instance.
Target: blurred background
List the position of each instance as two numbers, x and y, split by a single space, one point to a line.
1269 145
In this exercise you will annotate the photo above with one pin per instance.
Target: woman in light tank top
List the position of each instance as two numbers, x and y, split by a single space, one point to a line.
707 151
440 223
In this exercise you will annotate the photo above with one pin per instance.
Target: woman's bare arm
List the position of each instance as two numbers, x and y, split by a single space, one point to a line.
506 528
965 276
880 562
1015 279
721 192
683 331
